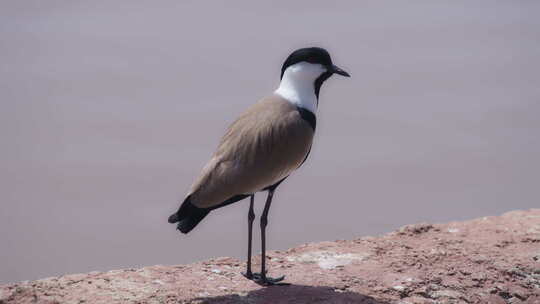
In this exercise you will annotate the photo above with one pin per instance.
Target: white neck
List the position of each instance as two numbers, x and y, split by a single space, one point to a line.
298 85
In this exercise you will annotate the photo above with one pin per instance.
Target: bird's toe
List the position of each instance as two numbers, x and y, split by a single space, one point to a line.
264 280
248 275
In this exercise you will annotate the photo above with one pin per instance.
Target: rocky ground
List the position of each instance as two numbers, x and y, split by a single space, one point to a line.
487 260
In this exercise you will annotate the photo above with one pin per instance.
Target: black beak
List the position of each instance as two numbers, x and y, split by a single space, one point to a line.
337 70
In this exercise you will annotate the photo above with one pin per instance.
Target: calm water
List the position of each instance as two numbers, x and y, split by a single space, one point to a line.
108 110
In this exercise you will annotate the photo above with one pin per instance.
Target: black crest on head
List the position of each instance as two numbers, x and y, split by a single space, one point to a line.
311 55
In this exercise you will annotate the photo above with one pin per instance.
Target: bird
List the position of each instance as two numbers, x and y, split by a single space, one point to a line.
261 148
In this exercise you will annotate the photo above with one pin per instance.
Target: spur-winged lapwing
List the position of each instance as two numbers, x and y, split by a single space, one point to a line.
261 148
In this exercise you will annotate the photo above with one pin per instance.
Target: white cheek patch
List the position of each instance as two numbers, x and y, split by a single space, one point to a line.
305 70
298 84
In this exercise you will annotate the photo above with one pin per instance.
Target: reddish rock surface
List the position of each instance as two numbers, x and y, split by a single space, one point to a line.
487 260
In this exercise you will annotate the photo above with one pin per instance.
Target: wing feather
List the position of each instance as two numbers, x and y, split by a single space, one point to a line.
264 145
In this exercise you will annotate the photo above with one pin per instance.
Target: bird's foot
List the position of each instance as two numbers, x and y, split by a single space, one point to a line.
263 280
248 275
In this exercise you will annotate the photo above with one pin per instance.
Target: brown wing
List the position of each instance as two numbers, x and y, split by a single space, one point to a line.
260 148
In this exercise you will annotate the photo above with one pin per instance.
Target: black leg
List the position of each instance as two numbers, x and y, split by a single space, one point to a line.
262 278
264 223
251 217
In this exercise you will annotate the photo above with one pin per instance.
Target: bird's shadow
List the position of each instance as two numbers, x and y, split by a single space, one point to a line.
293 294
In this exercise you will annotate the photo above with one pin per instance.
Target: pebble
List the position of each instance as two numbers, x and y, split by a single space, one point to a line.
399 288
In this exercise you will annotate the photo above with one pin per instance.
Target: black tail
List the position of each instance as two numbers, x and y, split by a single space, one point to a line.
188 216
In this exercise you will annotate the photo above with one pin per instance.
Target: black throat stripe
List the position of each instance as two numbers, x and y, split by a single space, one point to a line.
308 116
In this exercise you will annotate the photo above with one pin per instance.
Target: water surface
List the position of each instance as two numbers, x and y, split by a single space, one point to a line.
108 110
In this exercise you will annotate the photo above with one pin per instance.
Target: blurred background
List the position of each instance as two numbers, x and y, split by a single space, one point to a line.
109 109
